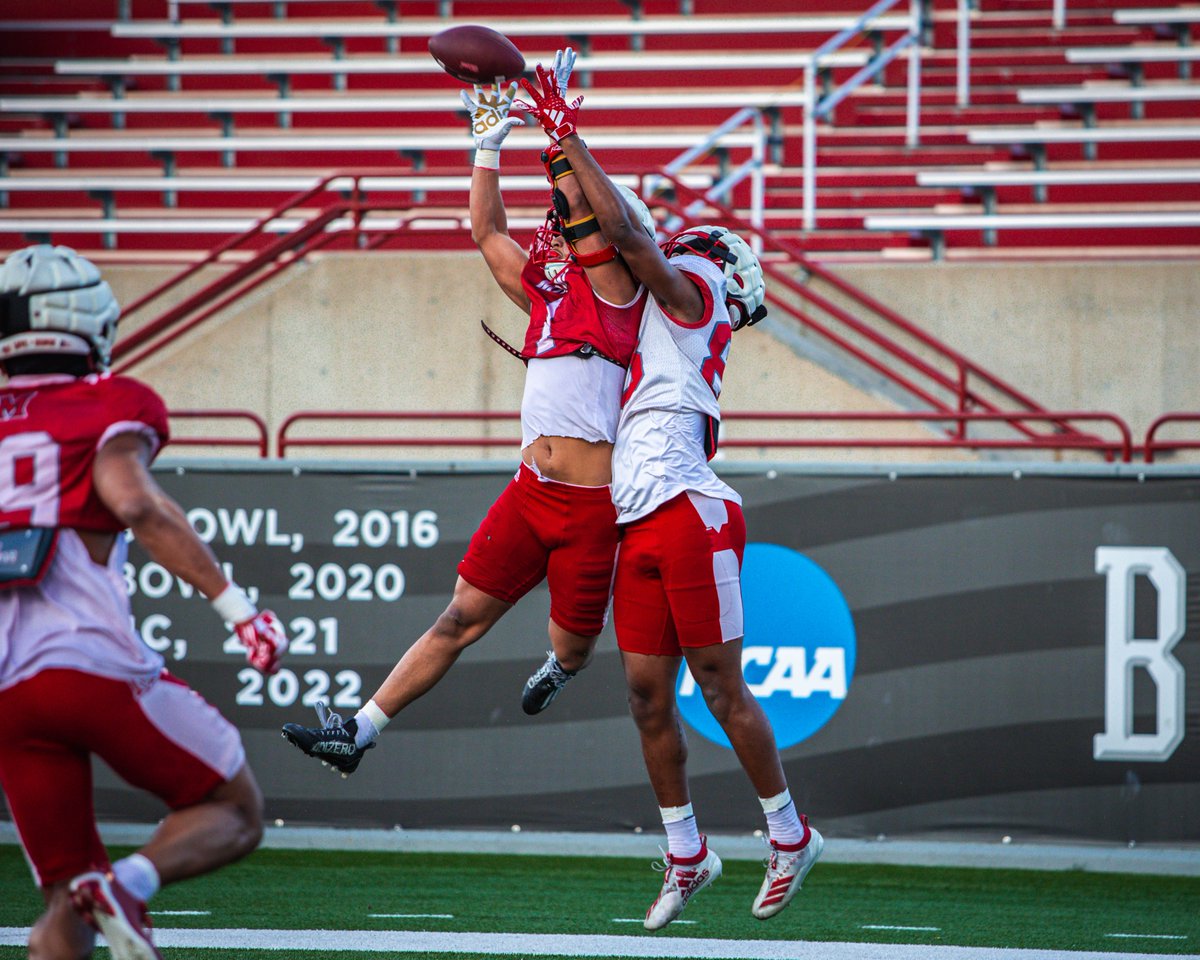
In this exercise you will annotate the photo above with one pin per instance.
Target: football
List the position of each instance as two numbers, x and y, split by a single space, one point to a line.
476 54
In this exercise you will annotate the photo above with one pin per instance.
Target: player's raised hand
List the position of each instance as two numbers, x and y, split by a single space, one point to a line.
550 108
490 122
265 641
564 65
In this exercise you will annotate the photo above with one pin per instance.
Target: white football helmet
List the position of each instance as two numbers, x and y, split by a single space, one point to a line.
52 300
640 210
745 286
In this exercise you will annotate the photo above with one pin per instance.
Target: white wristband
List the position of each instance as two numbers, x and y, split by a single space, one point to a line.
488 159
376 715
233 606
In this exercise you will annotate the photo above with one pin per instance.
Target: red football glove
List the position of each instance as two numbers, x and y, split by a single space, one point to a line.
549 107
264 640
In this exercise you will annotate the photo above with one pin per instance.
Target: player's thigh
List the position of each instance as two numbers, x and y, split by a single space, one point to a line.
170 741
505 559
704 540
580 568
47 782
641 614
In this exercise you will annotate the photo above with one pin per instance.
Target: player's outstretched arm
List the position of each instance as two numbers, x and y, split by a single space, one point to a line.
125 486
490 124
678 295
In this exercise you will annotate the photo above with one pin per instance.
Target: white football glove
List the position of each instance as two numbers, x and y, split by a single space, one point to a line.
490 121
564 64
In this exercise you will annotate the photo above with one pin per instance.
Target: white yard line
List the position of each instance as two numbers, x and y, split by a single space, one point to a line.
181 913
543 945
888 926
642 920
413 916
1147 936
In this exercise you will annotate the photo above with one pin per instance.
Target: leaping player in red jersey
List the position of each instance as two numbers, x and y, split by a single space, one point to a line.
677 592
75 680
555 521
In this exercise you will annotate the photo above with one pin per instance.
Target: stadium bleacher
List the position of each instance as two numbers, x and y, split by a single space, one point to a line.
261 74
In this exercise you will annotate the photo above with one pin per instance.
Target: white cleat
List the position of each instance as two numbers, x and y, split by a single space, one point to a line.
786 871
680 883
116 913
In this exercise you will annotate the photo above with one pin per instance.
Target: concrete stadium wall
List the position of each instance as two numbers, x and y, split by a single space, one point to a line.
401 332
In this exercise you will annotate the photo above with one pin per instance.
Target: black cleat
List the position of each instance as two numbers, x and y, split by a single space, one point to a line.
332 743
544 685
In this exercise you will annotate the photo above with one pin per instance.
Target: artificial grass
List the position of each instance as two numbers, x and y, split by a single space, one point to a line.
333 890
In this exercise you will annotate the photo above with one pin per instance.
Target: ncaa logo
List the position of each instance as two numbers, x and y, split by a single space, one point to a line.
798 652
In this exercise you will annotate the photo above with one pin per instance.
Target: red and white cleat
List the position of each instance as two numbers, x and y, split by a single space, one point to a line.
683 879
786 870
116 913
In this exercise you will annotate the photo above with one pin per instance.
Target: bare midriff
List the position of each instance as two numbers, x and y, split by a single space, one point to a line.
571 460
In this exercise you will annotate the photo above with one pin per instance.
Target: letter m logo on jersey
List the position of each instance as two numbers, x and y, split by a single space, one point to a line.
799 650
15 406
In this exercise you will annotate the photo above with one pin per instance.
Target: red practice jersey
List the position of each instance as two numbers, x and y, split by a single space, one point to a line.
51 428
566 315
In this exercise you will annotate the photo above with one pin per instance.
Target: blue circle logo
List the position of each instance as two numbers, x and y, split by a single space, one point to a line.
798 652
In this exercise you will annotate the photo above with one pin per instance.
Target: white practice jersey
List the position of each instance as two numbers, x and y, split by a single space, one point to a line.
571 396
77 618
670 396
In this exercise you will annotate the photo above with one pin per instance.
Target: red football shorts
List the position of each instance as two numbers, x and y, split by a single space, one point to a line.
166 739
678 581
539 530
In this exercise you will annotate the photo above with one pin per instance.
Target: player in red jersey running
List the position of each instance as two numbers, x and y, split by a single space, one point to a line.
555 521
677 592
75 680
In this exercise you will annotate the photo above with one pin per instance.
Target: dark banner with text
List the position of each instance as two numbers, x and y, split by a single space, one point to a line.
983 653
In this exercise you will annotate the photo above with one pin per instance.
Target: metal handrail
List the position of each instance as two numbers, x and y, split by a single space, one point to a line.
283 442
752 168
1055 441
1150 446
1058 18
260 427
818 107
1121 448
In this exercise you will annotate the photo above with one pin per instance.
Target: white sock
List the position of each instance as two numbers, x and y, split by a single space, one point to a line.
783 823
683 838
370 722
365 732
137 875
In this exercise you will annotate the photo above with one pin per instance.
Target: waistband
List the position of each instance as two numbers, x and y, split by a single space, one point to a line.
530 474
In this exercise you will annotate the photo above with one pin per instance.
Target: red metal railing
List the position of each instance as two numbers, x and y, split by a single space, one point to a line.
259 441
872 333
1151 445
283 442
1121 447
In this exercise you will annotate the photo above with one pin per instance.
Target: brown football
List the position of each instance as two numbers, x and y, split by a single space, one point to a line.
476 54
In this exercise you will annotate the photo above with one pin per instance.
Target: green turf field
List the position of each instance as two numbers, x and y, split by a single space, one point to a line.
330 890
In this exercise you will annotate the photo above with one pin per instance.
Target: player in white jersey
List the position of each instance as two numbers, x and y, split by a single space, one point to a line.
677 590
75 679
